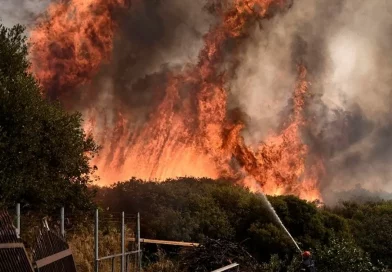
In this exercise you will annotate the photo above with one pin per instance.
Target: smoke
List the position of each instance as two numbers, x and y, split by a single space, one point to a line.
170 38
264 79
171 34
358 194
345 46
23 12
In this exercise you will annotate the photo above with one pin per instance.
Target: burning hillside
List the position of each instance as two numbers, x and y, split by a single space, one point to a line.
160 84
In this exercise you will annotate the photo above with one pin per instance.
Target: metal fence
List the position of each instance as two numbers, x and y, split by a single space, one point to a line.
124 256
50 252
13 255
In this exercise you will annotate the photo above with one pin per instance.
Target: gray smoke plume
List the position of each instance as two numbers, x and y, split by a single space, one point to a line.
154 37
23 12
345 46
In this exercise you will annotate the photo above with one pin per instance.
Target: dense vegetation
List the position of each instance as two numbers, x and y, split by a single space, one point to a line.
44 164
186 210
371 226
44 153
193 210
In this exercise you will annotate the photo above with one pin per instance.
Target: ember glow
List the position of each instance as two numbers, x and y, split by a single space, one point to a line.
191 131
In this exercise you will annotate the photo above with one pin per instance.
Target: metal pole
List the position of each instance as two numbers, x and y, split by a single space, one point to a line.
122 242
62 223
113 264
126 263
18 220
96 262
139 253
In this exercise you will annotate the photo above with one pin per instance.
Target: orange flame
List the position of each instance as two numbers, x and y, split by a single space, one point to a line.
283 157
70 43
184 136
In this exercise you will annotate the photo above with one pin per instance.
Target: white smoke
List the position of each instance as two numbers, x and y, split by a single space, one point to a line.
345 46
359 74
264 79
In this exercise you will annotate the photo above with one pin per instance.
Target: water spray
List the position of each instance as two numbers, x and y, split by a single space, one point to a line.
279 221
269 205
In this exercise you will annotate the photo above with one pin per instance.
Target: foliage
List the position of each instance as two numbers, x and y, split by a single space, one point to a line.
163 264
370 224
177 211
341 255
44 153
191 210
276 264
214 254
345 256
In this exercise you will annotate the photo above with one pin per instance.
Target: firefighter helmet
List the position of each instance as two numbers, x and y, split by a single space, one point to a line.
306 254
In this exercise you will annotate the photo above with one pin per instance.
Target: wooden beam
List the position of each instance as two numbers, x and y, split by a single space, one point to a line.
163 242
53 258
12 245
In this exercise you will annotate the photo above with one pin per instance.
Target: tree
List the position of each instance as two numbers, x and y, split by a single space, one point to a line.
44 153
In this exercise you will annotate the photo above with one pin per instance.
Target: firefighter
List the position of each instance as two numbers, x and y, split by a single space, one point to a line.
307 264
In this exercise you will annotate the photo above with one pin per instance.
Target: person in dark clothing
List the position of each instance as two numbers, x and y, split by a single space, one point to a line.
307 264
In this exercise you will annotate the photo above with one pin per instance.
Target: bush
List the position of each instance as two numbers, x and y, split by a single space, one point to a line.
370 224
345 256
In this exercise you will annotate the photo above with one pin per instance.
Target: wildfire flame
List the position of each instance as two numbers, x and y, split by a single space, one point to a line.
70 43
192 135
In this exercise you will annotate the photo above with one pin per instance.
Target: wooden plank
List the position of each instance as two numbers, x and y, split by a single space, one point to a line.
53 258
164 242
226 267
11 245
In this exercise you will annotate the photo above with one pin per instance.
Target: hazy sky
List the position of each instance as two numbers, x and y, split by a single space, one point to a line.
21 11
